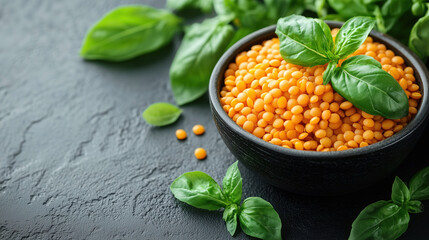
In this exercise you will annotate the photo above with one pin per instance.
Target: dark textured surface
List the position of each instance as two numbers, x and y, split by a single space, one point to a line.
78 162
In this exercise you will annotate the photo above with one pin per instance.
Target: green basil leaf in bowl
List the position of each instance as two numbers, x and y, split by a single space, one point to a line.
303 41
370 88
129 31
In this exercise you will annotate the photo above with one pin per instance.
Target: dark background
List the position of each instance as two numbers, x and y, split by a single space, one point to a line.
77 161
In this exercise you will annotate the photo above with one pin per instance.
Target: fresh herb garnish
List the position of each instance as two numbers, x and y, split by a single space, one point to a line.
257 217
360 79
388 220
129 31
161 114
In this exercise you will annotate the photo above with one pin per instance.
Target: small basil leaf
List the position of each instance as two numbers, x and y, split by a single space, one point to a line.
328 72
303 41
352 34
380 220
201 48
199 190
232 184
419 185
370 88
230 217
205 6
259 219
415 206
400 192
161 114
129 31
419 37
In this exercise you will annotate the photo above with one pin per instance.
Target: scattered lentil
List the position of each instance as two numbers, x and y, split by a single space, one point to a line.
181 134
200 153
199 129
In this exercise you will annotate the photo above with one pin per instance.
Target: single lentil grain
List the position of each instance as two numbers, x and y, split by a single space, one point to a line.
200 153
181 134
199 129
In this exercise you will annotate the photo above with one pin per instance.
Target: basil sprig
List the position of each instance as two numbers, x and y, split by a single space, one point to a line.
360 79
388 220
256 216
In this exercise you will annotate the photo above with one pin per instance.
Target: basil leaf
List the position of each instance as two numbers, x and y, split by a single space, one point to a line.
282 8
400 192
230 217
370 88
205 6
327 74
392 10
351 8
259 219
303 41
199 190
161 114
201 48
352 34
129 31
419 185
232 184
415 206
247 13
327 31
419 37
418 8
380 220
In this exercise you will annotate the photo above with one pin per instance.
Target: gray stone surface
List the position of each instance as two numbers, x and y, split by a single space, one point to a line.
78 162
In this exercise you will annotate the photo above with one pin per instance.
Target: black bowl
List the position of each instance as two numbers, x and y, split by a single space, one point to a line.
311 172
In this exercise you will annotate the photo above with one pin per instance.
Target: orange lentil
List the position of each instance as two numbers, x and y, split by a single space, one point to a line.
200 153
198 129
181 134
288 105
